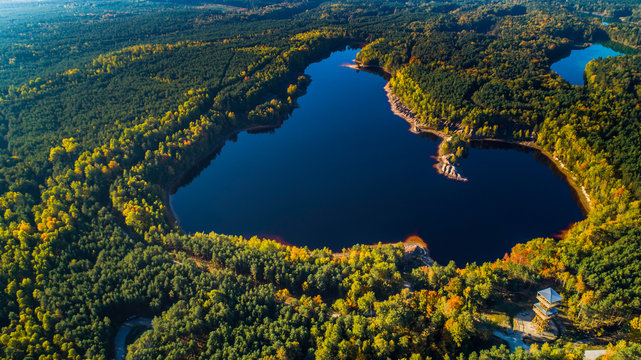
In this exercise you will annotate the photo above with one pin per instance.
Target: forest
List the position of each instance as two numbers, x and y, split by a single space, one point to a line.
104 106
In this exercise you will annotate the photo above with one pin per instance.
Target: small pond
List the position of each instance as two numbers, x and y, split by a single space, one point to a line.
572 67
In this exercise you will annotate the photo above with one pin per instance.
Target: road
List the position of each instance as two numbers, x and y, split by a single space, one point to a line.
120 345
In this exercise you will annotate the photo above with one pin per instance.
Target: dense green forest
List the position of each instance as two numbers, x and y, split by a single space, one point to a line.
104 105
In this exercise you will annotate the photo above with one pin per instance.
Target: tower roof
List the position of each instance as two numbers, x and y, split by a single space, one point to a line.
550 295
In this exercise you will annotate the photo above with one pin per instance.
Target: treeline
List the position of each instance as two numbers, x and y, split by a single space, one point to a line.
354 301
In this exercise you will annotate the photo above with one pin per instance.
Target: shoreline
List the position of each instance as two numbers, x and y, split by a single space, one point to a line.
401 110
443 164
412 246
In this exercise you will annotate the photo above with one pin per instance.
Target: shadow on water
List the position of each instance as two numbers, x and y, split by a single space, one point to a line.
195 171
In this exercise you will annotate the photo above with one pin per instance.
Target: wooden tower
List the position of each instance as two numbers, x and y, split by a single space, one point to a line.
545 309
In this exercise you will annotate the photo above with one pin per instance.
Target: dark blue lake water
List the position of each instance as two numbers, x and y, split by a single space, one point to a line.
572 67
343 169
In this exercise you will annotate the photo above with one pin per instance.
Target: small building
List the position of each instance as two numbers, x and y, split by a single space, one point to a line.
545 309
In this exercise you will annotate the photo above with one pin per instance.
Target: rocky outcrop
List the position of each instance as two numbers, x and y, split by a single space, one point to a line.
418 252
447 169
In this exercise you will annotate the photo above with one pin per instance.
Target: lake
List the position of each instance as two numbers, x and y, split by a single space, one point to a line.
343 170
572 67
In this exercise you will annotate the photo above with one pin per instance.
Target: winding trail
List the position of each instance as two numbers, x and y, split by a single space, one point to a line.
120 345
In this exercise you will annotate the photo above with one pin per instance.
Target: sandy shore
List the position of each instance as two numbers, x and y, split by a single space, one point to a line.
353 66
